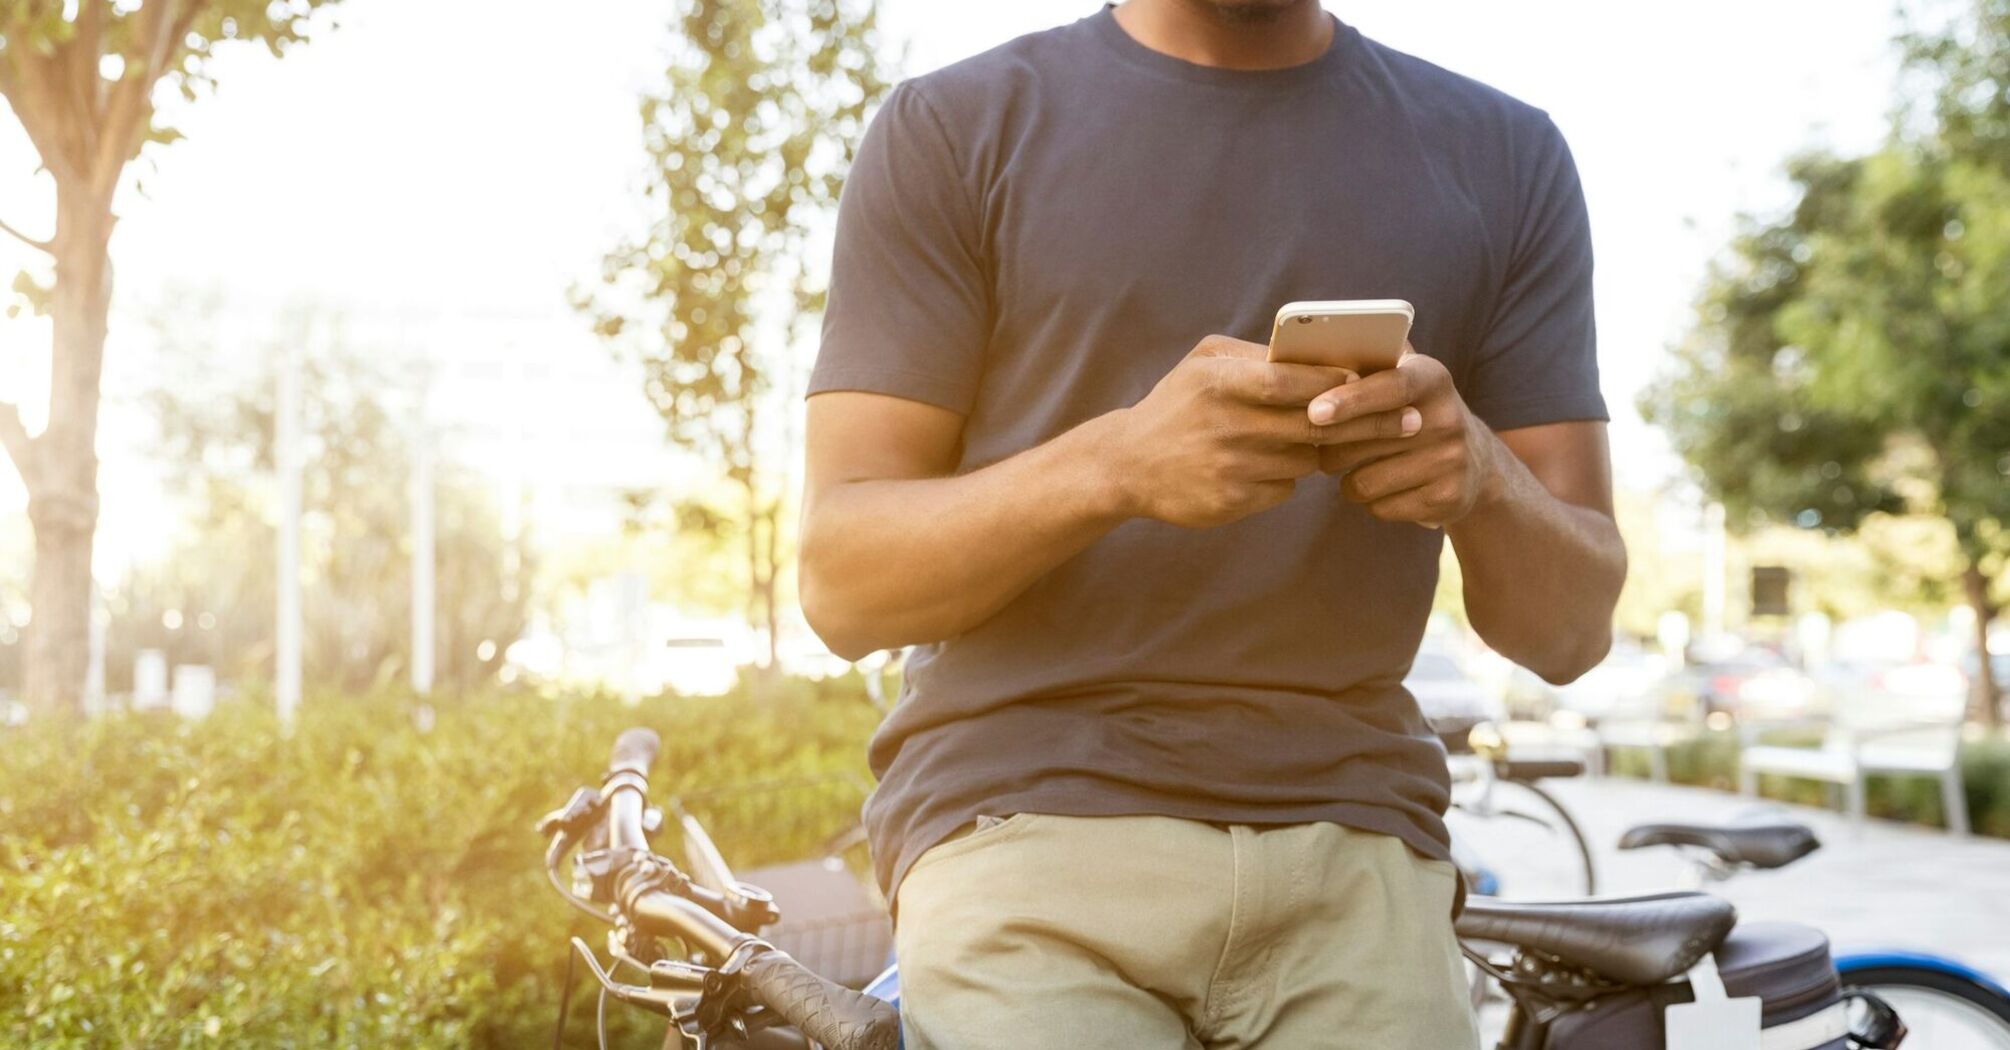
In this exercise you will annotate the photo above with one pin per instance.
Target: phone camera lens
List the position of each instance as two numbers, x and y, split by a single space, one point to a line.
1305 319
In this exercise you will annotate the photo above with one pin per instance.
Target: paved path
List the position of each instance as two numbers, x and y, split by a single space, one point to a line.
1888 885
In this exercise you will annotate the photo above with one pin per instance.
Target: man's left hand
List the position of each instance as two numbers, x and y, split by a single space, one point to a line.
1432 476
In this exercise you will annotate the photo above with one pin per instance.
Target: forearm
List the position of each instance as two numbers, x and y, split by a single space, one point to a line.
1541 575
897 562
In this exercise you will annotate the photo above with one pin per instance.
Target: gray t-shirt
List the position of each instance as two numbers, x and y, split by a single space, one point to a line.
1035 236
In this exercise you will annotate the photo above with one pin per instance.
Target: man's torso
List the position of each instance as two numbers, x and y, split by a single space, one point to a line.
1122 205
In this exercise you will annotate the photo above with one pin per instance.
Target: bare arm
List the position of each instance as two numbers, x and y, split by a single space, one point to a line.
1529 511
1541 554
898 549
889 534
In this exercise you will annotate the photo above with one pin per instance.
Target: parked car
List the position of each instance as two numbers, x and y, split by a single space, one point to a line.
1449 697
1629 683
1896 691
1998 663
1749 685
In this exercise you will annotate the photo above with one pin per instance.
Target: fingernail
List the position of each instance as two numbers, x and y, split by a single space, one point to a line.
1322 412
1413 421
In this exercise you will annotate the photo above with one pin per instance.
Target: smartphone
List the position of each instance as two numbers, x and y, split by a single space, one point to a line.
1365 335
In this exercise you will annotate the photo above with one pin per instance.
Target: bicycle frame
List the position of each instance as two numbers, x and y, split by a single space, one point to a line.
1704 868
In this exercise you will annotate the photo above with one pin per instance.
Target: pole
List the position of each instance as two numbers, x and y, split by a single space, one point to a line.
94 676
422 553
1713 570
286 669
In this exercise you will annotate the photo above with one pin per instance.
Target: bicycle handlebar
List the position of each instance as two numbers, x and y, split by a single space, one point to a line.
635 751
836 1017
1538 768
626 788
646 893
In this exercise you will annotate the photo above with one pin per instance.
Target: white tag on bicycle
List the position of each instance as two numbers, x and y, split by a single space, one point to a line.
1713 1021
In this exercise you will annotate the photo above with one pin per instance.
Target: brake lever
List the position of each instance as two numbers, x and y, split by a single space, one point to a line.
663 1001
576 816
705 1005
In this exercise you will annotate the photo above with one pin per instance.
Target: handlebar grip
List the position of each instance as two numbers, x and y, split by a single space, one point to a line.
833 1015
1539 768
635 750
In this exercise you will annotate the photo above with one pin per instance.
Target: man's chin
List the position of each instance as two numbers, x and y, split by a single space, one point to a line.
1248 12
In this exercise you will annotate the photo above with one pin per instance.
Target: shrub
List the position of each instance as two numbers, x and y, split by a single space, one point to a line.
359 884
1712 761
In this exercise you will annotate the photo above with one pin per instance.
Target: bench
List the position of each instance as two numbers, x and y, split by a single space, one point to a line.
1850 753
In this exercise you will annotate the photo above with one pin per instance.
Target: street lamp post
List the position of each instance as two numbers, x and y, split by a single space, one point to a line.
286 655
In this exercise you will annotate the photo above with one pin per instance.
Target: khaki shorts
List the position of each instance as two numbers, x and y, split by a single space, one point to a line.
1153 932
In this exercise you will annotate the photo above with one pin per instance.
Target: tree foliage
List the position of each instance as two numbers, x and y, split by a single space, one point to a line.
1852 357
81 75
748 141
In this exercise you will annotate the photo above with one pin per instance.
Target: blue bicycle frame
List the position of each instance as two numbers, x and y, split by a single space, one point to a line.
1907 960
886 986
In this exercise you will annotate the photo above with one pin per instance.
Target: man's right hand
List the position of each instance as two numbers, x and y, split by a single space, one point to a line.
1224 435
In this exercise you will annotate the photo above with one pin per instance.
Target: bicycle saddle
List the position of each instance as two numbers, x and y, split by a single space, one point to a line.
1771 845
1630 940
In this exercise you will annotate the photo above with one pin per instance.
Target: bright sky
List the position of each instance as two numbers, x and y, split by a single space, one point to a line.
452 166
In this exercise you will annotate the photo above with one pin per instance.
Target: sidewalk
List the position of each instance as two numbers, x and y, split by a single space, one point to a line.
1888 886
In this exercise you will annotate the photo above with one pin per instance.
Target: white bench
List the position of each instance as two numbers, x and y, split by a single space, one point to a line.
1851 753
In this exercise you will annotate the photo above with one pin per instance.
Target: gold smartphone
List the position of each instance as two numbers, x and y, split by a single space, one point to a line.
1365 335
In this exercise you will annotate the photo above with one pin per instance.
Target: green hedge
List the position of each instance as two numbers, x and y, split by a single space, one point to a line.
1712 761
364 884
360 884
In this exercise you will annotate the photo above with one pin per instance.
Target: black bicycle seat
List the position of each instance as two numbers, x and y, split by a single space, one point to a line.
1771 845
1630 940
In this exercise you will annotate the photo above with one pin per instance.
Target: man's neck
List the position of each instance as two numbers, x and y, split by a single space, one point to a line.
1201 32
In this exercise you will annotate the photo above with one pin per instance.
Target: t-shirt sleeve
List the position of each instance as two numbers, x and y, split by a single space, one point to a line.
1538 360
909 311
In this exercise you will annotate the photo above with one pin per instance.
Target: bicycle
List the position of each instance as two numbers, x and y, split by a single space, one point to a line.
1576 968
1495 797
726 987
1946 1004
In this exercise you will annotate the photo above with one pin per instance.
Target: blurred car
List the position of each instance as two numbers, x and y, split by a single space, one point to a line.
1629 683
1749 685
1999 663
1449 697
1895 691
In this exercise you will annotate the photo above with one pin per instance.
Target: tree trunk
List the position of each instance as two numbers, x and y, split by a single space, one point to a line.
62 479
1987 688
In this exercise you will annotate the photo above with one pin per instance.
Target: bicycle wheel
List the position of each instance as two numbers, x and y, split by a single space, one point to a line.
1521 842
1941 1011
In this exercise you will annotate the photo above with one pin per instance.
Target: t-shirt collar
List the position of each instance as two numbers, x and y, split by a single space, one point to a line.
1105 27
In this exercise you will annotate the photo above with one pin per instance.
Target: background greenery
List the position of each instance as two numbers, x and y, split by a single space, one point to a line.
1850 361
1712 761
361 884
367 883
